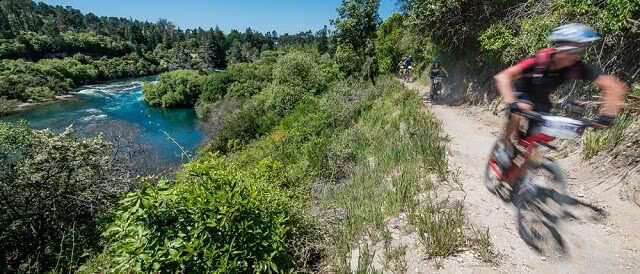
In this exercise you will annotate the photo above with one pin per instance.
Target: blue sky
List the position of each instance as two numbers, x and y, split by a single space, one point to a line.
262 15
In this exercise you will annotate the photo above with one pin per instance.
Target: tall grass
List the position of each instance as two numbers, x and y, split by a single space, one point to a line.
440 228
600 140
399 149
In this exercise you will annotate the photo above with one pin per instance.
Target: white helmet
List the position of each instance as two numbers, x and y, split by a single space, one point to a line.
573 33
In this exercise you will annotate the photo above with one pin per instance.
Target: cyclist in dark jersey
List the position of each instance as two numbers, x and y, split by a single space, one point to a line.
529 84
436 69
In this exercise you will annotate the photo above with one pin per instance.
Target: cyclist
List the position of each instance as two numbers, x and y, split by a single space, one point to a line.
529 84
405 66
401 66
408 61
436 69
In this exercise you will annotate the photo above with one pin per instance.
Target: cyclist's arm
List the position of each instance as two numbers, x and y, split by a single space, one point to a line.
504 82
445 71
613 93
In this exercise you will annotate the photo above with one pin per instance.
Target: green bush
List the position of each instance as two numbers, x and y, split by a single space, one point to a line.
295 75
281 99
54 188
349 61
607 17
7 106
245 88
180 88
215 86
242 126
40 93
250 78
215 218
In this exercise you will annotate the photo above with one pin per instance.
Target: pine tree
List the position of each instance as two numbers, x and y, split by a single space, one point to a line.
323 40
212 50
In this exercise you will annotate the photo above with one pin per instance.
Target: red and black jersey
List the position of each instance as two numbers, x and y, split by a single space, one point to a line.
538 84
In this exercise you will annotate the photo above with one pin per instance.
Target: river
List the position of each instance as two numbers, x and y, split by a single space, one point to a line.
117 108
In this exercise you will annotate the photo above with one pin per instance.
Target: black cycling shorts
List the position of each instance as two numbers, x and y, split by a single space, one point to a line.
539 104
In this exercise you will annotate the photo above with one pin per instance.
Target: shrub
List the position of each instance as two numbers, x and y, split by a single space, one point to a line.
281 99
40 93
215 86
238 128
7 106
213 114
349 62
245 88
215 218
295 75
176 89
53 188
250 78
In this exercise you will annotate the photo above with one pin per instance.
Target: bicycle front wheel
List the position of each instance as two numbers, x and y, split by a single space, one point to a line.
540 201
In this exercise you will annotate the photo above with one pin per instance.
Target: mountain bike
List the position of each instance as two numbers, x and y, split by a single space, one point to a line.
436 87
530 164
406 74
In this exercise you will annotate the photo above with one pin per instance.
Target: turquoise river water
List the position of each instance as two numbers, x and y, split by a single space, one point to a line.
98 108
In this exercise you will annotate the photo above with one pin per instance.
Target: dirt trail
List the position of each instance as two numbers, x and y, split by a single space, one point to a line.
597 232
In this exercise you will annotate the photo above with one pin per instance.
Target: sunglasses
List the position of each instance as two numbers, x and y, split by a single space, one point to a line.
577 51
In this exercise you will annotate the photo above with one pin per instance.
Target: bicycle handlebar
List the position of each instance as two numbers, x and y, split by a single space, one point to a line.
537 116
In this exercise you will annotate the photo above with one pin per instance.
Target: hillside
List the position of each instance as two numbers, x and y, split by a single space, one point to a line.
317 159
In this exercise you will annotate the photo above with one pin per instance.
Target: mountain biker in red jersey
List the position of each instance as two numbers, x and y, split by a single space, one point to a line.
529 84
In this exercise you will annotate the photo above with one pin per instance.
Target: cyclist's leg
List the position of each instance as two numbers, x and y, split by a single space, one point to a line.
506 154
515 120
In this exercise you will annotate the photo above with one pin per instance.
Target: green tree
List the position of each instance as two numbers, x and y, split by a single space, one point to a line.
212 50
178 88
357 23
356 27
388 42
323 40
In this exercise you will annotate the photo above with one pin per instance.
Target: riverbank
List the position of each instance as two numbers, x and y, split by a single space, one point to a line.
28 105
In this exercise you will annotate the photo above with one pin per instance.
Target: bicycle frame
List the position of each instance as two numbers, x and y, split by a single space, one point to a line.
528 148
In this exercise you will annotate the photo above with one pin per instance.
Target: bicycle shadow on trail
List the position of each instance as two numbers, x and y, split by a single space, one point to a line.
540 217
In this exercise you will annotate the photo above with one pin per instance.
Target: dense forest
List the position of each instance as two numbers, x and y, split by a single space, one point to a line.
313 143
50 50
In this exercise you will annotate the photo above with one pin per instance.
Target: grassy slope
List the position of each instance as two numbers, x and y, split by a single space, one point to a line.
366 153
342 163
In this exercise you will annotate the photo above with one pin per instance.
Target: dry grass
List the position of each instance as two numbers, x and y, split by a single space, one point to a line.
398 150
440 228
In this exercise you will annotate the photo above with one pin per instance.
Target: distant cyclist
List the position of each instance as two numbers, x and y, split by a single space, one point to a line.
529 84
436 69
408 61
406 66
402 67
